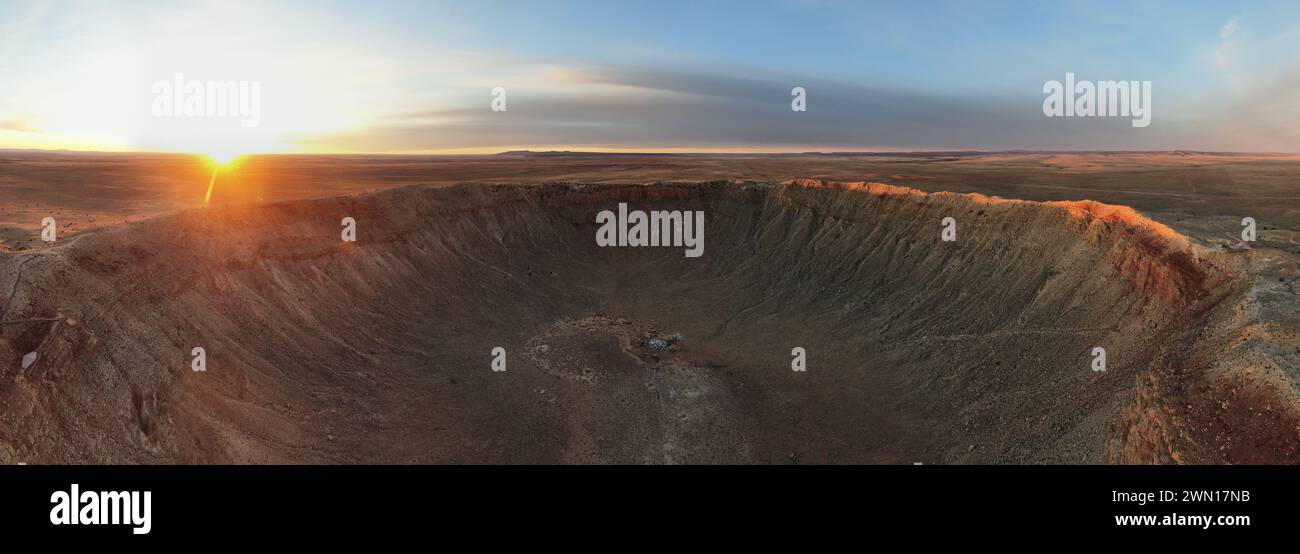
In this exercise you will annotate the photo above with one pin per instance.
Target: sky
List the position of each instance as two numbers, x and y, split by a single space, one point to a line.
628 75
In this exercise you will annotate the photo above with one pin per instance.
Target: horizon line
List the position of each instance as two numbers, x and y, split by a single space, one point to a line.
665 152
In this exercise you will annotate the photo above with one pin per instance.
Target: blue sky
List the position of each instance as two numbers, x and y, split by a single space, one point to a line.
657 76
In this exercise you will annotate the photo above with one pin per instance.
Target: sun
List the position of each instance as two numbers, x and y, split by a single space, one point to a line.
222 158
222 161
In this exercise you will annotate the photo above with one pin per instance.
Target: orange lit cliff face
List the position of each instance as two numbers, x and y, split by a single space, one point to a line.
975 350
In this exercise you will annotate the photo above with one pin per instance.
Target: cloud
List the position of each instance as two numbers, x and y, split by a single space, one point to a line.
1228 29
656 107
17 125
1223 53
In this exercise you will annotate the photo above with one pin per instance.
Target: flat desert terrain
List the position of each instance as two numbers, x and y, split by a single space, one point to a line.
977 350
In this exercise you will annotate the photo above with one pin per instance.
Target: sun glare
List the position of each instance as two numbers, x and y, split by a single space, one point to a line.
222 158
221 162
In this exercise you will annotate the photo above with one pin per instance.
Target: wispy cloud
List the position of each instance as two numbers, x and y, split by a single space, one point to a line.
620 106
1224 52
17 125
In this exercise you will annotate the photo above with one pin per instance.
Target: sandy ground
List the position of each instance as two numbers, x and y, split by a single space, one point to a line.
969 352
